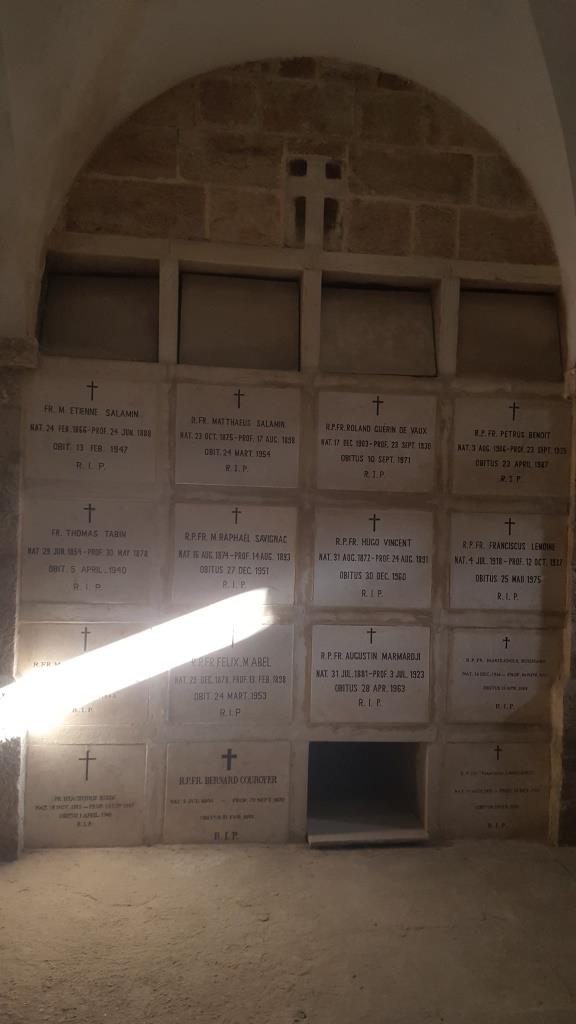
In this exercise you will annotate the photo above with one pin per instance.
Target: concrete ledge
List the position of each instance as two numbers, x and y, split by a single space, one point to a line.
19 352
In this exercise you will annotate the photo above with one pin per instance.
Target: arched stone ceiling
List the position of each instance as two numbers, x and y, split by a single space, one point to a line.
72 71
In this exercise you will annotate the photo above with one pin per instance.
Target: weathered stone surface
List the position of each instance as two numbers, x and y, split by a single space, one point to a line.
317 145
10 762
177 107
302 107
136 208
379 226
385 80
137 151
19 352
501 184
228 102
298 67
435 231
391 117
244 216
504 237
413 174
231 159
449 127
357 74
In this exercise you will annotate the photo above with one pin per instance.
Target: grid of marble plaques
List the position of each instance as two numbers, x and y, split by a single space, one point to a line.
89 538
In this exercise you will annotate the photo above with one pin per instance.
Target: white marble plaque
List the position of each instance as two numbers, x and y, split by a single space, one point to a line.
370 674
78 795
243 682
90 429
221 550
496 790
237 436
81 550
367 556
374 442
44 645
511 446
502 675
227 792
507 561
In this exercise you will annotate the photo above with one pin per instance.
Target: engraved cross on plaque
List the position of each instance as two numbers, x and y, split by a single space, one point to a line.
371 633
377 402
92 387
497 751
236 512
514 407
87 760
89 508
509 523
238 395
229 757
374 519
506 642
85 633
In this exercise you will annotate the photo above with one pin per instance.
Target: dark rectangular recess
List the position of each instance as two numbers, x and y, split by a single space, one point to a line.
509 334
100 316
238 321
369 328
367 789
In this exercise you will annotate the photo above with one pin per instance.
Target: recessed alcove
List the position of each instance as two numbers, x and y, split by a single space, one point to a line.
365 793
100 316
374 329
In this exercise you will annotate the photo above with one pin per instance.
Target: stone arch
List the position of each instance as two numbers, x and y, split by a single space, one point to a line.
210 160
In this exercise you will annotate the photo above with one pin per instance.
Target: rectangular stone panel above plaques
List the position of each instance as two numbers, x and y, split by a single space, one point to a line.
222 550
373 557
502 675
511 446
82 550
244 682
371 674
227 792
375 442
496 790
508 562
90 429
247 437
78 795
45 645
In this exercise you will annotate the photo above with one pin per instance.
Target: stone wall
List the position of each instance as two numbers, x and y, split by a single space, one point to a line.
216 158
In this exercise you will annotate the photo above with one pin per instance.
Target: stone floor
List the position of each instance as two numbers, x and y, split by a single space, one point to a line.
466 934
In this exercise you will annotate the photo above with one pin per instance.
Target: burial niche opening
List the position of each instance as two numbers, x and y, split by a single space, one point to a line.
365 793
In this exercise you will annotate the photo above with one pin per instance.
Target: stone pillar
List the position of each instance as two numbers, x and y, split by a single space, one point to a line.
16 355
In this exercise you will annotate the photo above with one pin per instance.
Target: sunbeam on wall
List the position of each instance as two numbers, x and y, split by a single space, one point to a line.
40 699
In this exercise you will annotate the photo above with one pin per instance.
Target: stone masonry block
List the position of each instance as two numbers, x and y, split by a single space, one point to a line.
245 217
228 103
391 117
341 71
500 184
137 151
385 80
10 763
231 159
413 174
504 237
136 208
19 352
175 108
298 67
301 108
435 231
447 127
376 226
